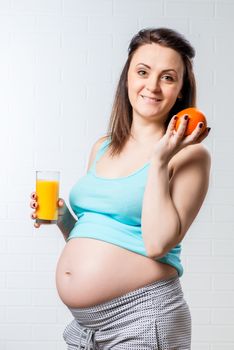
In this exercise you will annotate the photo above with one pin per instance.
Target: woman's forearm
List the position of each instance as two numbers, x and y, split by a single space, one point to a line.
66 223
160 220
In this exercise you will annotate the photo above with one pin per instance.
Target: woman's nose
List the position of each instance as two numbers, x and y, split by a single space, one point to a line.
153 84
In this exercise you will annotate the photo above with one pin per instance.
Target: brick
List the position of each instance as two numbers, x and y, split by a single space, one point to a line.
2 280
29 345
222 346
43 160
197 9
224 9
196 281
200 346
2 316
15 23
223 179
179 24
15 297
138 7
45 262
221 196
61 23
224 213
51 6
45 297
221 247
222 316
200 316
47 332
5 6
25 227
210 300
34 315
30 280
15 262
102 7
113 24
2 245
64 316
213 334
197 247
211 26
224 145
91 42
17 211
221 264
223 281
21 332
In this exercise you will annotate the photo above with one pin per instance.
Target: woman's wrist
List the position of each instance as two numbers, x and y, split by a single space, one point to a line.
66 222
159 162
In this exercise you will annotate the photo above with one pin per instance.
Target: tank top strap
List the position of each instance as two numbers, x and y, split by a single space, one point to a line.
100 151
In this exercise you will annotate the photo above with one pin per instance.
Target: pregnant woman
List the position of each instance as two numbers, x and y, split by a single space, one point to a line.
119 272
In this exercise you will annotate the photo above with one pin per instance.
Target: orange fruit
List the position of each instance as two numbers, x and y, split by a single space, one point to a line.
195 116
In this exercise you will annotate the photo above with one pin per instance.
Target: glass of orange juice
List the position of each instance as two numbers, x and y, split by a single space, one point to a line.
47 190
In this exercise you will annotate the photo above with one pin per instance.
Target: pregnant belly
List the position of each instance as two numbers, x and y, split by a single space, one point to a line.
90 272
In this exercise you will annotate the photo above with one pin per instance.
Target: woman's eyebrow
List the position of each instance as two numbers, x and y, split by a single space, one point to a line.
164 70
143 64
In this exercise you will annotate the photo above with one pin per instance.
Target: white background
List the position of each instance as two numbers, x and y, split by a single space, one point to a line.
59 65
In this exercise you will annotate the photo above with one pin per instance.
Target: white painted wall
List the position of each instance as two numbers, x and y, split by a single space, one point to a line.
59 65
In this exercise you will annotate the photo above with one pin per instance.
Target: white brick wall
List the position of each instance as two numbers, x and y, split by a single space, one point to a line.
59 64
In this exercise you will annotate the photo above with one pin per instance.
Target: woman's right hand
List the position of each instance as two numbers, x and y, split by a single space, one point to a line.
62 208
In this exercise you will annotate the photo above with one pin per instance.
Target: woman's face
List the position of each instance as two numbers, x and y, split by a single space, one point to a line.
155 79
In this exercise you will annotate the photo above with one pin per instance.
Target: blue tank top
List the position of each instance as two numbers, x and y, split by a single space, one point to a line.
110 210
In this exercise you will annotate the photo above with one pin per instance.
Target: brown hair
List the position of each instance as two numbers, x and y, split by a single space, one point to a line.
121 116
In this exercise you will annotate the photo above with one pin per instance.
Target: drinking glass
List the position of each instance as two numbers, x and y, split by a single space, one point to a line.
47 191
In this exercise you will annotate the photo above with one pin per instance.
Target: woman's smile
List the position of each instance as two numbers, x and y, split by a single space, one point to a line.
151 100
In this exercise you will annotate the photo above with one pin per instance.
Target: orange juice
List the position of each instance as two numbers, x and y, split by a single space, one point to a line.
47 192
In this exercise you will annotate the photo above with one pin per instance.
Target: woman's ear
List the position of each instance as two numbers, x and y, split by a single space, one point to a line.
180 96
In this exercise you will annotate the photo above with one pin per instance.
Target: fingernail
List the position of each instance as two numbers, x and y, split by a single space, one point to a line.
200 125
186 117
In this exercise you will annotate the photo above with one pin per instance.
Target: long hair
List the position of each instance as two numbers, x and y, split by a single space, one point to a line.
121 115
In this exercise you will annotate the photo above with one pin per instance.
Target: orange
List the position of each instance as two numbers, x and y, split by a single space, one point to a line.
195 116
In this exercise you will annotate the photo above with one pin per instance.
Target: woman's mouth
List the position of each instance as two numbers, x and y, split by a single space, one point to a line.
150 99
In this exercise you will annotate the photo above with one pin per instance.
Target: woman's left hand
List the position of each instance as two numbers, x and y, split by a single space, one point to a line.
173 141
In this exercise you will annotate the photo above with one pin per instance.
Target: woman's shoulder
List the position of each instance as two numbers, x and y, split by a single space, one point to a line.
99 142
196 152
96 146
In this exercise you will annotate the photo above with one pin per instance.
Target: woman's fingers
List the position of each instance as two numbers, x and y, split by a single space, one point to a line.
60 202
183 124
171 125
33 195
33 204
202 136
34 216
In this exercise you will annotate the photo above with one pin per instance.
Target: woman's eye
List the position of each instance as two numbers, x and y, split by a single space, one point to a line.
141 72
168 78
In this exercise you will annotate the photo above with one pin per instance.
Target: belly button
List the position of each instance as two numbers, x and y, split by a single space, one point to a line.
67 273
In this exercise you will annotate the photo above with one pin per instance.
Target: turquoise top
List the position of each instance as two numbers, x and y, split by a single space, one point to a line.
110 210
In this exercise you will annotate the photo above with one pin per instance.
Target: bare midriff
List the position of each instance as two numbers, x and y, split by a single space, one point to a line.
90 272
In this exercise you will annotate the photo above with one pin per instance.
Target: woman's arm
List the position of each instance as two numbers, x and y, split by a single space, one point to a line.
169 208
66 220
